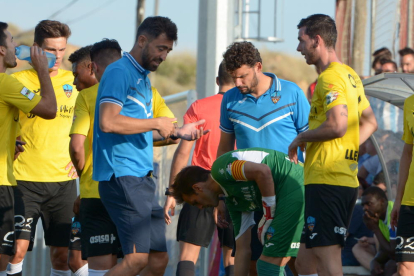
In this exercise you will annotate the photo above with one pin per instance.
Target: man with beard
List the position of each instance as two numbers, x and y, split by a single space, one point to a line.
340 120
14 96
122 146
261 111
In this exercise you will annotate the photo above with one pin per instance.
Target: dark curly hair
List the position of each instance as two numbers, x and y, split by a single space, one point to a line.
239 54
3 36
82 54
154 26
185 179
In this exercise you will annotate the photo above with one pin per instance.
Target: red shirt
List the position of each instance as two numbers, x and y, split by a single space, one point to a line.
205 151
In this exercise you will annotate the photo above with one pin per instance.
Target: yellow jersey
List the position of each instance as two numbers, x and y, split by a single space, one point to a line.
83 124
46 153
408 198
13 96
335 162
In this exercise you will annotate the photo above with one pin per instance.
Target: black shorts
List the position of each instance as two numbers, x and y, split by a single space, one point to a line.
75 234
53 202
7 220
328 211
404 250
226 235
99 236
195 226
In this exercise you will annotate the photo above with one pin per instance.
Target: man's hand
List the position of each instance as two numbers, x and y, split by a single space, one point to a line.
221 215
395 213
376 268
72 170
190 132
268 216
293 149
364 241
76 205
371 220
170 203
19 148
39 59
165 126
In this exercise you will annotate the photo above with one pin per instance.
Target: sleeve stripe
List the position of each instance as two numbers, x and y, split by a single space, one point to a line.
111 100
226 130
304 128
237 170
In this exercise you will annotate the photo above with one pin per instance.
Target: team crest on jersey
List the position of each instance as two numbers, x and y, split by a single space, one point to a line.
331 97
270 232
310 221
275 97
68 90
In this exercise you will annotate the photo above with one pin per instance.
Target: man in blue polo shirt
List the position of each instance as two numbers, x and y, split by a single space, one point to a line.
261 111
122 148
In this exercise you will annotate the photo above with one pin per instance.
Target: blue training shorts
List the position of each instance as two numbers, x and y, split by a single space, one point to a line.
138 217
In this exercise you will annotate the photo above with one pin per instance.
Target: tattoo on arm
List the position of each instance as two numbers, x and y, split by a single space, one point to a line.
345 111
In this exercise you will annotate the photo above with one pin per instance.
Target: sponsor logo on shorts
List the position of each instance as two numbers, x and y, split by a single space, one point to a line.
340 230
313 235
269 244
107 238
7 240
310 221
74 239
295 245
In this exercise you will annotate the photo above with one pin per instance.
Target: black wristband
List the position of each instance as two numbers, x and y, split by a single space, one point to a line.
222 198
167 192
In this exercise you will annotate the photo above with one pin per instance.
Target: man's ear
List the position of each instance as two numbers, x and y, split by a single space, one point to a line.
258 66
197 188
142 40
90 68
3 50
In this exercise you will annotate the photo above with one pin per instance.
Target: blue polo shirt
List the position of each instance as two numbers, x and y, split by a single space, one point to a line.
124 83
271 121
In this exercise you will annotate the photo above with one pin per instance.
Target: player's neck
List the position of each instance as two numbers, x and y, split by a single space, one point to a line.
326 58
225 88
53 73
214 186
264 84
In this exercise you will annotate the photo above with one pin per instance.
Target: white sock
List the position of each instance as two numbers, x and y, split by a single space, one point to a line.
3 273
14 268
54 272
93 272
83 271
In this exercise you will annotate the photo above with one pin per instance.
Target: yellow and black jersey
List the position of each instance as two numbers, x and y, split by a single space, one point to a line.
13 96
408 198
46 153
335 162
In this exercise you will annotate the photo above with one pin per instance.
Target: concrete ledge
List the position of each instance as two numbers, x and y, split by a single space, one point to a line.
355 270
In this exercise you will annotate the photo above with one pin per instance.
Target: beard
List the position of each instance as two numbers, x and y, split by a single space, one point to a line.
146 61
10 60
249 89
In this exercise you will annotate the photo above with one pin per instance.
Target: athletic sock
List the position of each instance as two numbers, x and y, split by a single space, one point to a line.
93 272
268 269
229 270
54 272
15 269
83 271
185 268
3 273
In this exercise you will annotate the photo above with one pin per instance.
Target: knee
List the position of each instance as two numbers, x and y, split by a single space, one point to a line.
300 265
159 263
59 258
135 263
356 249
74 264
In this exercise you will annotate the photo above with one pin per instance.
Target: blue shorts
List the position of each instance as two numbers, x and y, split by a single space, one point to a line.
138 217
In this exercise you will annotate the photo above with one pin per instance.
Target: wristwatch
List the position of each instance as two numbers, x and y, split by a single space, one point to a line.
167 192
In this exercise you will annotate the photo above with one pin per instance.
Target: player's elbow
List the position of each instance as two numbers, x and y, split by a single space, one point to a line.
339 131
76 147
49 115
106 125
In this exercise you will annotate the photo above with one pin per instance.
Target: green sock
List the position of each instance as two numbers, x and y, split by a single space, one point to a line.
268 269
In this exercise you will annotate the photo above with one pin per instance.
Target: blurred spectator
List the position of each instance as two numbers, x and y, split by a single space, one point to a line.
388 66
379 181
380 54
371 166
378 259
407 60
